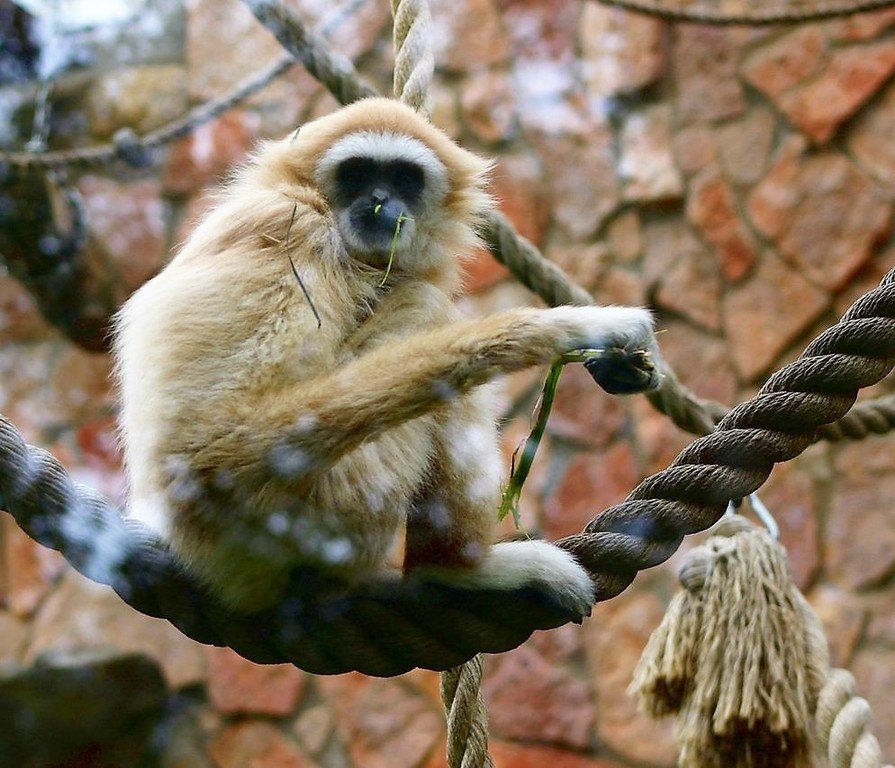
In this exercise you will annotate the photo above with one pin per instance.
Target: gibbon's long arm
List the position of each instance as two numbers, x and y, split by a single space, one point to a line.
327 416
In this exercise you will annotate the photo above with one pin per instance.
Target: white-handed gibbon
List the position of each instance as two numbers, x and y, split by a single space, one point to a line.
296 383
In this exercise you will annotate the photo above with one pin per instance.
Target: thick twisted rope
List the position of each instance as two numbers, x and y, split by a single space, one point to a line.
382 627
388 626
748 11
774 426
414 63
842 718
467 716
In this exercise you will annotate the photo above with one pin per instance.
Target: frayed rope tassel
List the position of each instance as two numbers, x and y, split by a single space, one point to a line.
739 657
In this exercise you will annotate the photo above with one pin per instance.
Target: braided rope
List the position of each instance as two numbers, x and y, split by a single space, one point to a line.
414 63
873 417
776 425
467 716
333 70
388 626
528 265
842 718
383 627
748 11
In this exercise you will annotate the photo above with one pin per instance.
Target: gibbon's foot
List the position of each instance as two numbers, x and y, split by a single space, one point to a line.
625 371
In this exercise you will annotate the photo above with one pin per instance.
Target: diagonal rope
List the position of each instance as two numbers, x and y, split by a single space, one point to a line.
390 626
127 147
774 426
527 264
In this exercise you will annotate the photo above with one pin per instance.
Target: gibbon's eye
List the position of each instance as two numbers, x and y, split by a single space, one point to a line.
353 176
406 179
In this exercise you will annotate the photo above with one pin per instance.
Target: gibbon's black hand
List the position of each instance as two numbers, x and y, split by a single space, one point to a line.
624 372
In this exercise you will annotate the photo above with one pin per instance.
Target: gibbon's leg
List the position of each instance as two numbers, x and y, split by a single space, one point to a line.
321 419
450 528
452 524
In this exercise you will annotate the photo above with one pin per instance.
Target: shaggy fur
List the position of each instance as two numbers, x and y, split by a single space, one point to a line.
256 440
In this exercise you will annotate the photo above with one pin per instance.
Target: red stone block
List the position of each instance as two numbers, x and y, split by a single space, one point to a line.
787 61
874 670
582 180
702 361
592 482
863 26
537 696
843 617
541 31
766 314
860 529
487 106
869 139
209 152
382 723
823 213
256 744
704 61
647 164
850 79
692 288
236 685
789 494
616 635
712 209
637 54
478 24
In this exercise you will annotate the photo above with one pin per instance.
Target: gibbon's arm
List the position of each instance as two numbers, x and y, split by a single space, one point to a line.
325 417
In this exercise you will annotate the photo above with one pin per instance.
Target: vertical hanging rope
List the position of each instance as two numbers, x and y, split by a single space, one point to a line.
467 716
842 718
414 63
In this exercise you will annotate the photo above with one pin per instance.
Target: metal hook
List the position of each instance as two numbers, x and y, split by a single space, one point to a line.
761 512
764 514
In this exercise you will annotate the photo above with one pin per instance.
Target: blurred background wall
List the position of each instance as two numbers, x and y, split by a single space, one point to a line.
738 180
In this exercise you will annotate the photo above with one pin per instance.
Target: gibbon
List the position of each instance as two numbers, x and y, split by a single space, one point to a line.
296 383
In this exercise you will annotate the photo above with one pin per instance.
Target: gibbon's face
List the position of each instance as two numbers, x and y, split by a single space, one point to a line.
384 188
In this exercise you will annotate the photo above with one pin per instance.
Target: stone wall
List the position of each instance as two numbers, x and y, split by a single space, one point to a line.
740 181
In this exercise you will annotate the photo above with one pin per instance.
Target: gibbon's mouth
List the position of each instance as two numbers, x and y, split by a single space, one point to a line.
381 231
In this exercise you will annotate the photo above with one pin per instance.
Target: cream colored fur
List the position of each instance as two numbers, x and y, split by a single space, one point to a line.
256 440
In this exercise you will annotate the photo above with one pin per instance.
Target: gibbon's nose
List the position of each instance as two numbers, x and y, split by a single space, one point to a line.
379 196
388 213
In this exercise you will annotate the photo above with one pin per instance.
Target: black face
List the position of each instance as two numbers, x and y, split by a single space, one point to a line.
378 196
